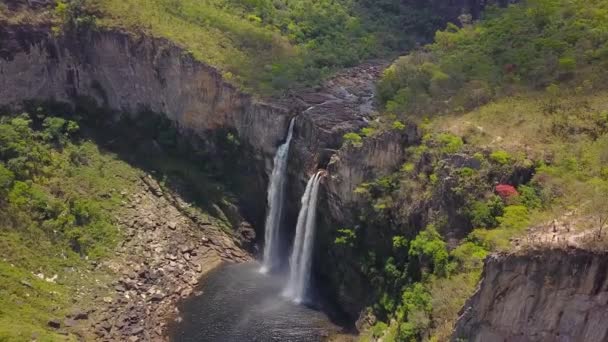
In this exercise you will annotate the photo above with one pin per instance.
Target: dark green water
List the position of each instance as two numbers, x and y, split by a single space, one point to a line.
240 304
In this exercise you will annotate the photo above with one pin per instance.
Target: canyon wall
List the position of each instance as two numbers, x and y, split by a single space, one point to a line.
130 73
550 295
127 73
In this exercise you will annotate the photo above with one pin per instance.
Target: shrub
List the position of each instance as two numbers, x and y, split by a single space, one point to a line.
399 242
429 248
398 125
529 196
484 214
368 131
353 139
6 180
450 143
346 237
407 167
470 256
500 157
506 191
466 172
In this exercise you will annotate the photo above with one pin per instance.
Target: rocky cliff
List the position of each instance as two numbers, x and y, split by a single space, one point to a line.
129 74
550 295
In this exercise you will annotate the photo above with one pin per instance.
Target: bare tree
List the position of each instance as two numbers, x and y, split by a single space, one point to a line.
598 207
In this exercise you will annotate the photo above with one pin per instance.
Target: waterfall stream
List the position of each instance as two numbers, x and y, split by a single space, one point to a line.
276 198
301 256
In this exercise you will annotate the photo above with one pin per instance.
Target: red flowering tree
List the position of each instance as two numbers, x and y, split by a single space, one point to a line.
506 191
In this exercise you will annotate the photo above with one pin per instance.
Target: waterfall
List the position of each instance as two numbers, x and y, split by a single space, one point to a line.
276 194
301 255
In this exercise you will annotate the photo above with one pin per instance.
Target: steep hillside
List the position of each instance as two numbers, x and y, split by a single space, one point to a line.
510 156
85 234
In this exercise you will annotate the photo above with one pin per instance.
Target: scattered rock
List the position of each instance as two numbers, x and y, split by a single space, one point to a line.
80 315
158 264
157 297
54 323
137 330
26 283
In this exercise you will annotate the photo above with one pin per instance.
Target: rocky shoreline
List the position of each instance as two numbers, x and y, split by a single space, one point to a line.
167 248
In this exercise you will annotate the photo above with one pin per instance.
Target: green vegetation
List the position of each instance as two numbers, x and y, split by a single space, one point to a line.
420 284
57 199
522 103
271 45
60 194
530 45
353 139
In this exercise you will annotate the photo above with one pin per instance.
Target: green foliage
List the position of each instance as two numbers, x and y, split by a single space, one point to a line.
414 312
58 197
529 196
500 157
346 237
271 45
408 167
353 139
466 172
73 16
398 125
515 220
29 183
6 180
429 248
484 214
467 67
450 143
470 256
399 242
378 329
368 131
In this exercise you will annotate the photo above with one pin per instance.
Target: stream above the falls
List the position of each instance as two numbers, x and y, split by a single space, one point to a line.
239 303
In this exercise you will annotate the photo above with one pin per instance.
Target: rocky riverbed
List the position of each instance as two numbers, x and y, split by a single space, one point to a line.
168 247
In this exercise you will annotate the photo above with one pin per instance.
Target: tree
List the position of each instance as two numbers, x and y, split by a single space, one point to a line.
598 207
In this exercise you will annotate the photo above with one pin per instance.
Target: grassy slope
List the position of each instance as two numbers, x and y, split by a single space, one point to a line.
220 37
28 248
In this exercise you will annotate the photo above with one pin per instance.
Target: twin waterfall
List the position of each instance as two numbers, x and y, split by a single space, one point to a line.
276 199
301 257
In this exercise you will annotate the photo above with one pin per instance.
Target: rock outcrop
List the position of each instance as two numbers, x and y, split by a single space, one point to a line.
130 74
545 295
167 249
127 73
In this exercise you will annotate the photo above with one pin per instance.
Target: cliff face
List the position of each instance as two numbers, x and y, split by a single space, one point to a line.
129 74
348 168
552 295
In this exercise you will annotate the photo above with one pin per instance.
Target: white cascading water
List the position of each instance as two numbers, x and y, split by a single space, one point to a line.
301 255
276 197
